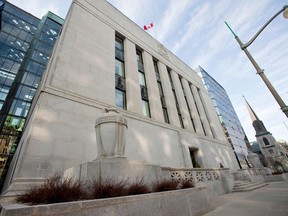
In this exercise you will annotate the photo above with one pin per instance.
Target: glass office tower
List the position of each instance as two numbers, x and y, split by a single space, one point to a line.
227 116
26 43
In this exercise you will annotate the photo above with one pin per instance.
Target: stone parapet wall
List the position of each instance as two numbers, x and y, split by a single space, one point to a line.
195 201
218 180
252 174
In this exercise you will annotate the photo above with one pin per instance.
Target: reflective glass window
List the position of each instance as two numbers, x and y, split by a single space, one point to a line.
145 108
23 35
20 108
120 98
6 78
43 47
56 26
25 93
142 79
28 79
7 65
119 43
119 67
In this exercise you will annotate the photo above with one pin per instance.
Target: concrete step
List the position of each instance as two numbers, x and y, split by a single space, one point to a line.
250 187
246 184
239 184
273 178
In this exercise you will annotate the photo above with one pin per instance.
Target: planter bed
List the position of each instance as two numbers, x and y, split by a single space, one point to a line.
194 201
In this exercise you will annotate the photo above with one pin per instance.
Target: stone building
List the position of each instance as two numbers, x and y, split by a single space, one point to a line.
103 60
273 155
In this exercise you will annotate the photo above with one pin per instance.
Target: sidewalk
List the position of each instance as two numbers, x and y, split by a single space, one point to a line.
270 200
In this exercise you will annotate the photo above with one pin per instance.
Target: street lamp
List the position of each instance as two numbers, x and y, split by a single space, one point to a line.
260 71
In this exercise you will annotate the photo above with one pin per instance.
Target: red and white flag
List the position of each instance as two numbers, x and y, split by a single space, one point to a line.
146 27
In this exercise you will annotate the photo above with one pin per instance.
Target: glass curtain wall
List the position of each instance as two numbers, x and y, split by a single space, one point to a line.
25 46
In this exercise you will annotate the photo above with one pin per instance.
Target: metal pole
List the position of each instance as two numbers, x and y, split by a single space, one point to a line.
277 97
285 125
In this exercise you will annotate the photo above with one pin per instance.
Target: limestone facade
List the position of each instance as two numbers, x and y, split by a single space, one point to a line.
79 82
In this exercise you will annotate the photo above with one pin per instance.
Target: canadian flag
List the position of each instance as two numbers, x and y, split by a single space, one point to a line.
146 27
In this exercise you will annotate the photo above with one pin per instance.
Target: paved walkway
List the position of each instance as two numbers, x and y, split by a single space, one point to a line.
270 200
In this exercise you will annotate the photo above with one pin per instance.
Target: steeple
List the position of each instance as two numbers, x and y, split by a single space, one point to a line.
256 122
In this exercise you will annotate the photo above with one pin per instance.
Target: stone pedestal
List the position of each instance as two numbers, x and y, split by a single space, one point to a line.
111 163
115 169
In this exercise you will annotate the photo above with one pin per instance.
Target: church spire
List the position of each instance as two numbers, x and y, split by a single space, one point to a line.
256 122
252 114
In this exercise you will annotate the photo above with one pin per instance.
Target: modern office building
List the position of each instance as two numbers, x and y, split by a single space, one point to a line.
103 60
227 116
26 43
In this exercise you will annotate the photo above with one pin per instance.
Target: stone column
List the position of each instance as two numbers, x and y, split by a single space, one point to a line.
133 95
153 92
169 98
193 109
181 101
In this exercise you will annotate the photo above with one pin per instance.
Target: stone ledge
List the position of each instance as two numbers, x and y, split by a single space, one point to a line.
194 201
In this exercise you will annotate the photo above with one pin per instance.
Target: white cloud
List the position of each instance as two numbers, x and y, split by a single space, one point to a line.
170 20
196 33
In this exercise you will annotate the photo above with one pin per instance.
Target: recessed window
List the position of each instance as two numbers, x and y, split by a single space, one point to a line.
266 142
145 108
120 93
120 98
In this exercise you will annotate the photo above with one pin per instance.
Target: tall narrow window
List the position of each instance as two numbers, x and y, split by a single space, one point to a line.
143 87
197 108
189 110
205 112
162 98
175 99
120 88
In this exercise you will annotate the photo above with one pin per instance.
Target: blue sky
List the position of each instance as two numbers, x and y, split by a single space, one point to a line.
194 30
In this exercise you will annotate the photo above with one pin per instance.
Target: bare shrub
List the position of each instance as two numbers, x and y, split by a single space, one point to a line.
137 187
54 190
108 188
164 185
186 184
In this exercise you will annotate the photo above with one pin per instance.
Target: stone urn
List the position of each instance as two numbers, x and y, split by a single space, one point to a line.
111 134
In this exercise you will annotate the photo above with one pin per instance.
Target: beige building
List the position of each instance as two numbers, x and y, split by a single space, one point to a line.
102 59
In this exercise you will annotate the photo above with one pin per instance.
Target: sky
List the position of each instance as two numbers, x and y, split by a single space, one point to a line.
194 30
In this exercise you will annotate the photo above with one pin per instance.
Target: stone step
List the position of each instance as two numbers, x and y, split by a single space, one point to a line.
241 183
246 185
253 186
273 178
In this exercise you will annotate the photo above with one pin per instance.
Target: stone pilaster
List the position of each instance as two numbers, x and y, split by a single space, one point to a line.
153 92
133 95
181 101
203 117
193 109
169 98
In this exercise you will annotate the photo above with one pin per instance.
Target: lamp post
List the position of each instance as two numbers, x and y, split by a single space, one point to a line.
260 71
